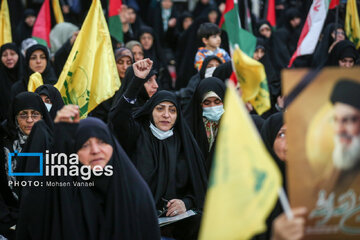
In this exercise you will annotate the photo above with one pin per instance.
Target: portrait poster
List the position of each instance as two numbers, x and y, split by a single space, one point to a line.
323 150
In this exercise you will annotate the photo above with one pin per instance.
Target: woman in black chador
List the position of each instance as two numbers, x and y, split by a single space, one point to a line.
118 205
163 150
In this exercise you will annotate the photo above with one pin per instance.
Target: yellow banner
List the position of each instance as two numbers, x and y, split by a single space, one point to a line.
57 11
35 81
252 78
90 75
352 24
5 26
244 181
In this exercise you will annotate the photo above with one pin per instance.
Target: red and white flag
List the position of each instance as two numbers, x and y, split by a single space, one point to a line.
312 29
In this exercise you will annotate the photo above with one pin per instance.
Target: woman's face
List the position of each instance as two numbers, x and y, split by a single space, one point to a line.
9 58
211 102
340 34
212 16
166 4
95 152
151 86
213 63
45 99
146 40
164 115
132 15
38 61
265 31
259 54
26 119
280 147
122 64
187 22
138 53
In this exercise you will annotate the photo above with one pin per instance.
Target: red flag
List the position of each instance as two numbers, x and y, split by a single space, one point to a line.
270 16
115 25
42 26
228 6
334 3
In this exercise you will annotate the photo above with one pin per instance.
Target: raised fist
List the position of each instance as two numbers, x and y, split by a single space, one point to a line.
142 68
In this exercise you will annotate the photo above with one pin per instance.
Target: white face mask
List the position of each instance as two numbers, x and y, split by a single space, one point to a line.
48 106
213 113
209 72
159 134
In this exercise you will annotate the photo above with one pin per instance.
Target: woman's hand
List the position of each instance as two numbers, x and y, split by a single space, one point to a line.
69 114
175 207
142 68
294 229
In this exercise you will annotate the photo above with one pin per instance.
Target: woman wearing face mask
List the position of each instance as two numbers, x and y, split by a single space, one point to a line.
119 205
204 113
37 60
11 71
27 108
207 69
51 97
163 150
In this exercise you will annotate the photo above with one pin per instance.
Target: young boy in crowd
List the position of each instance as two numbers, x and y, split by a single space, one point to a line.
209 33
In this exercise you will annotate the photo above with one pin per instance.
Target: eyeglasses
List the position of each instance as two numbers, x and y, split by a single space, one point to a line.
34 116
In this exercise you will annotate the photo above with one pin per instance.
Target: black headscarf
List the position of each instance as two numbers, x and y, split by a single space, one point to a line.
22 101
342 50
48 75
174 167
321 53
24 31
55 97
185 94
269 131
12 140
194 115
116 207
223 71
8 78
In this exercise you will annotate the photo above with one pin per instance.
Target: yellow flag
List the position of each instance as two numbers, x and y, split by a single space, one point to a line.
57 11
35 81
352 24
5 27
244 180
252 78
90 75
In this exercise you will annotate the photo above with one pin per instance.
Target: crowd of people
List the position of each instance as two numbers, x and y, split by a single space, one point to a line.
158 132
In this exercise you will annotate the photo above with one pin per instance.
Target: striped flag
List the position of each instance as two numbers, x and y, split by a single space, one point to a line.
5 26
334 4
115 25
42 26
352 25
230 22
270 15
312 29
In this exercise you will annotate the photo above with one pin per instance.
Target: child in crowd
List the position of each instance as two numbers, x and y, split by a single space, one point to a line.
210 36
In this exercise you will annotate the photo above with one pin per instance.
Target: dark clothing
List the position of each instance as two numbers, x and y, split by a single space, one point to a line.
184 95
194 116
55 97
173 168
119 206
343 49
7 79
13 139
48 74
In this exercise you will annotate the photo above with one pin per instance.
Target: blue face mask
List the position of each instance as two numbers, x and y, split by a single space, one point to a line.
213 113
